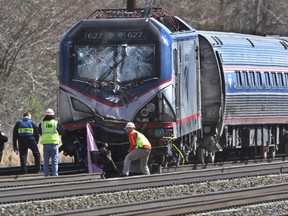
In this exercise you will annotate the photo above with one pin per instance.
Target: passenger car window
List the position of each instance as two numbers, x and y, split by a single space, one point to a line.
252 78
238 79
267 80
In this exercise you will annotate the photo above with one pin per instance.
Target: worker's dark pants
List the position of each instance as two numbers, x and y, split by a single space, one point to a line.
23 149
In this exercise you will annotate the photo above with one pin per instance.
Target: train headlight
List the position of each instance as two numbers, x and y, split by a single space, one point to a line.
151 107
144 112
158 133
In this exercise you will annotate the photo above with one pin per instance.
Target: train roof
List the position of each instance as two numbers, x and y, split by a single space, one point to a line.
244 49
172 22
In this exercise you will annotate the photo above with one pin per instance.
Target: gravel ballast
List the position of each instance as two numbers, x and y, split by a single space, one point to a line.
132 196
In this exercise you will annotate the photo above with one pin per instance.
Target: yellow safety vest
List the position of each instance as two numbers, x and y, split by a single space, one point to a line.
141 140
50 134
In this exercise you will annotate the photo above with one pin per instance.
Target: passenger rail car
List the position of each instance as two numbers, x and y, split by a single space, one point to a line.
192 93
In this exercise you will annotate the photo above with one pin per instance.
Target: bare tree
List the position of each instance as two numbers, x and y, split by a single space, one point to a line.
30 34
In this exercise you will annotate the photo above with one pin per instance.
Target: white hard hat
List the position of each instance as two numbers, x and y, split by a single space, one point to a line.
130 125
49 112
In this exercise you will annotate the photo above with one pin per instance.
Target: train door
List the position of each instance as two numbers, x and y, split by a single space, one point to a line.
187 86
177 69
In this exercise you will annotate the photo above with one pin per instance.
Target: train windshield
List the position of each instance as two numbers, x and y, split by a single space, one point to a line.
121 63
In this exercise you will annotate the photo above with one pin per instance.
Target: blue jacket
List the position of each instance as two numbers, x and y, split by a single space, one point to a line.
25 130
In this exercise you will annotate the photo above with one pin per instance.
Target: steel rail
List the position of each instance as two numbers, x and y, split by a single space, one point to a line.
190 204
64 169
60 190
39 179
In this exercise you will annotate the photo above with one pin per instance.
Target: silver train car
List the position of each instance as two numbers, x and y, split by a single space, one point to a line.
244 90
196 95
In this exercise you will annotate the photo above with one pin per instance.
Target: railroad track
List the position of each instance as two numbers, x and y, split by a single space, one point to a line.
191 204
221 164
72 168
40 188
64 169
38 180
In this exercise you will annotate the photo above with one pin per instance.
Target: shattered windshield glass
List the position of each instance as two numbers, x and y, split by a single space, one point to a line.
117 63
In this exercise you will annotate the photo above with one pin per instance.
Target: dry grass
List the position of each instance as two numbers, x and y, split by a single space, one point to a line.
9 158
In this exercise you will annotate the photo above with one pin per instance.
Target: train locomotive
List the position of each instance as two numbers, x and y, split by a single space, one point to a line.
194 94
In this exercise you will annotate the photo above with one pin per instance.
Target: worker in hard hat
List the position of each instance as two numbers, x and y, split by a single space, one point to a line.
140 148
26 136
50 131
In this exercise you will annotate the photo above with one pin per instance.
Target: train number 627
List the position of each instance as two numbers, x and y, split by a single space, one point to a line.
135 35
94 36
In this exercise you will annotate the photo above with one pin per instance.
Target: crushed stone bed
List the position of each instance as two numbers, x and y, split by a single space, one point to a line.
132 196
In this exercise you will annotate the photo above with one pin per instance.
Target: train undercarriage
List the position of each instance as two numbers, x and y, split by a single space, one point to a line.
239 142
236 143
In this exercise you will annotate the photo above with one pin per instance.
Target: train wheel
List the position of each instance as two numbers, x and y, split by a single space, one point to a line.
211 157
273 152
165 161
265 155
202 155
264 151
177 160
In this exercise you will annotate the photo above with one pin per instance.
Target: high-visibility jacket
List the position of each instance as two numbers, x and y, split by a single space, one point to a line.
138 140
50 134
25 128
